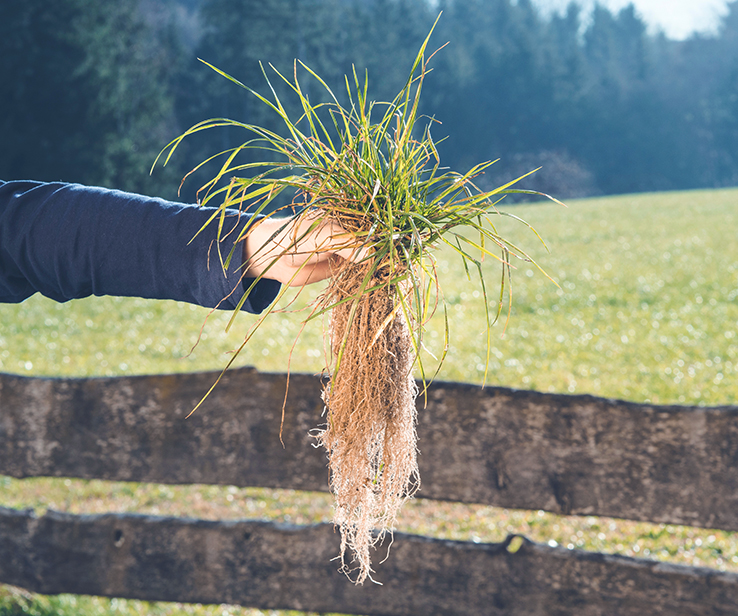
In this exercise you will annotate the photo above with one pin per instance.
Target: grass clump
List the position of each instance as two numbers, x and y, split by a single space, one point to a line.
372 169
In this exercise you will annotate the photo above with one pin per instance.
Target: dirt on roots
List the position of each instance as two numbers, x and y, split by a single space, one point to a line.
370 434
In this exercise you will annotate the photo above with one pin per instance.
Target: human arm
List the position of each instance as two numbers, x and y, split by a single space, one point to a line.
68 241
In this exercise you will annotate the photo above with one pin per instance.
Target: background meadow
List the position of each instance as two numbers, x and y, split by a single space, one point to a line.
646 310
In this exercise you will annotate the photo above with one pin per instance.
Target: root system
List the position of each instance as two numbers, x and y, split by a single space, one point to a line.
370 433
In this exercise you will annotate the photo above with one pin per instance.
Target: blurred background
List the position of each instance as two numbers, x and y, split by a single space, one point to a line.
606 99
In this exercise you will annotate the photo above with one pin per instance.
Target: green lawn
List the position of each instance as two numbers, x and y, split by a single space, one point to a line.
647 310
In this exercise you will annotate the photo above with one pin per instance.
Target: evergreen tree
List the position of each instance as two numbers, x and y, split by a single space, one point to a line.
726 102
87 98
41 107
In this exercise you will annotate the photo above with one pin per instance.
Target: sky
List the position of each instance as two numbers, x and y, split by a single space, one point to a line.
677 18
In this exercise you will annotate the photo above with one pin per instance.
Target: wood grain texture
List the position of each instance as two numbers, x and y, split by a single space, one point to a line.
517 449
272 566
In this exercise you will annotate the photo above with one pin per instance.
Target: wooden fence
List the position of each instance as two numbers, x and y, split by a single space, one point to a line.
518 449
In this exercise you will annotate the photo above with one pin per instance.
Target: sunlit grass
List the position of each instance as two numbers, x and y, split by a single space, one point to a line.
16 602
648 310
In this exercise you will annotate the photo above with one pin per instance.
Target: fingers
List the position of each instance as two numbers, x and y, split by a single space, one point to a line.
331 237
310 273
354 254
298 251
308 236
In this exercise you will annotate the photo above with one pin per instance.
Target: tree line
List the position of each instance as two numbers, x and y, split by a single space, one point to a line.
93 90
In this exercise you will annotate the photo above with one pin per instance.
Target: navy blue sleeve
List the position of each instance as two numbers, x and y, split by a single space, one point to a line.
68 241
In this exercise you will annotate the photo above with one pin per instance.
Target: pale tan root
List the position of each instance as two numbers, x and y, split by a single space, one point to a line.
370 435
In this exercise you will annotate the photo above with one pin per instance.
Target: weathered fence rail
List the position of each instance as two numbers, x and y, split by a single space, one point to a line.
278 566
565 454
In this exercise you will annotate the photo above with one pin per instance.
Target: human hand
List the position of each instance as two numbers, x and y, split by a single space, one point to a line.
298 251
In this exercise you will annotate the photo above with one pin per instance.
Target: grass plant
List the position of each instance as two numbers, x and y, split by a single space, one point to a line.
373 169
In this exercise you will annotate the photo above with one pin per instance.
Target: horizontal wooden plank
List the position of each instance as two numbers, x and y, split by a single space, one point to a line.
517 449
272 566
134 429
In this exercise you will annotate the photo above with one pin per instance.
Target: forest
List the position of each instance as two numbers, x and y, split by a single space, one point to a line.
93 90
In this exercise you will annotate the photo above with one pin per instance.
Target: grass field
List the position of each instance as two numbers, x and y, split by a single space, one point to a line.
647 310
